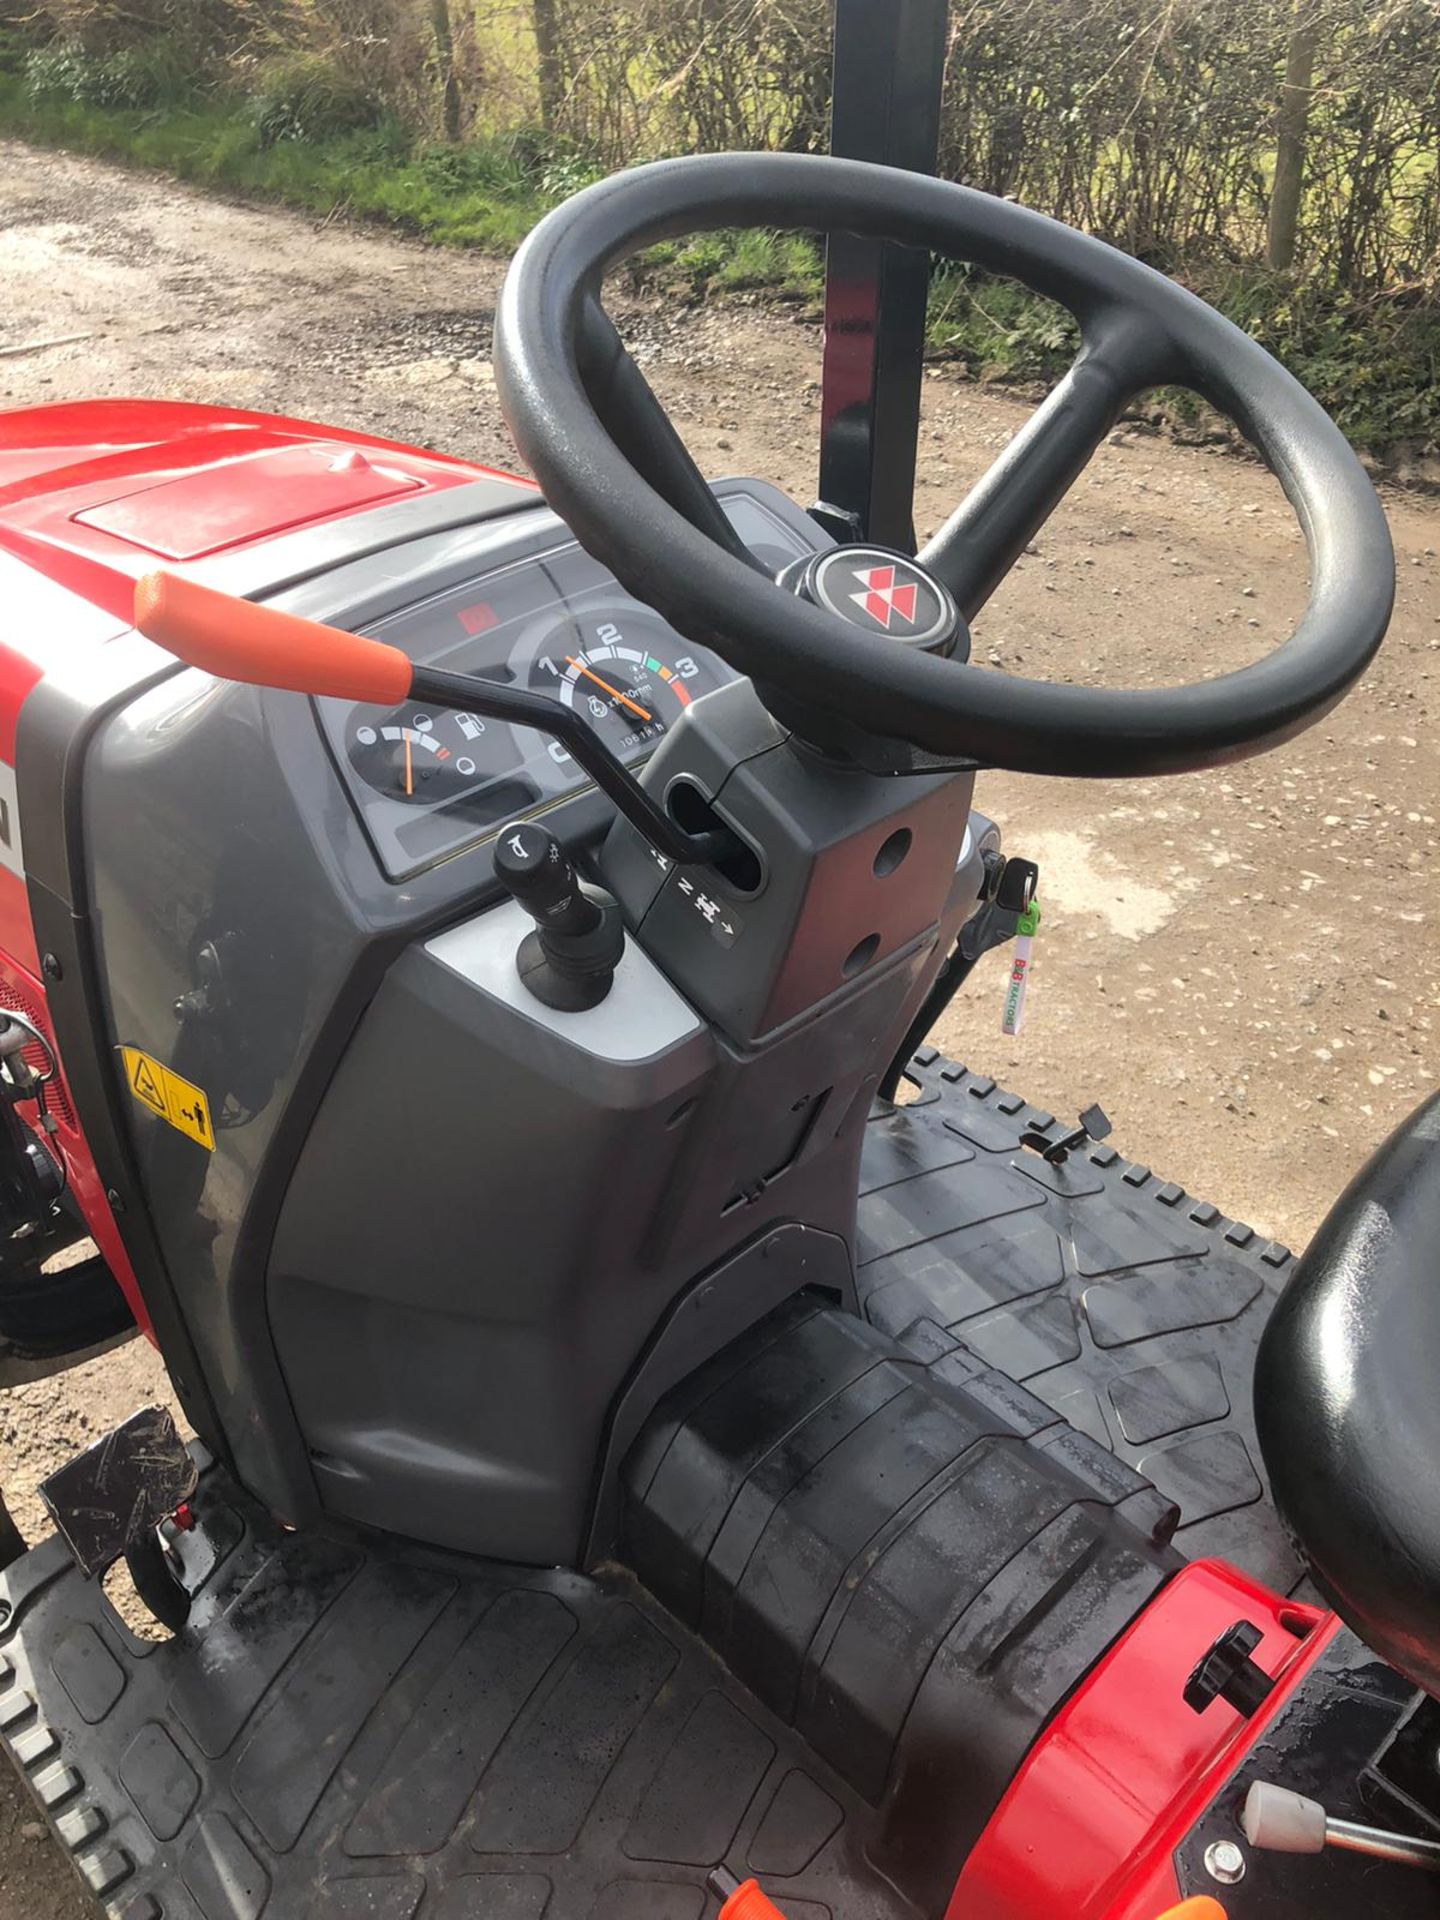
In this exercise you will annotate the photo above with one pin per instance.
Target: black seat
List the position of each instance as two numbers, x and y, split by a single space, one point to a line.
1347 1401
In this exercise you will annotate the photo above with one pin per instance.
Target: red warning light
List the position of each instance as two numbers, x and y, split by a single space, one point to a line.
477 618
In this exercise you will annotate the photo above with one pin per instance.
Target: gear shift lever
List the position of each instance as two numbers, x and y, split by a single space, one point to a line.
1280 1821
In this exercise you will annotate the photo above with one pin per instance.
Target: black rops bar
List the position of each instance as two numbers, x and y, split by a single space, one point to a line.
888 77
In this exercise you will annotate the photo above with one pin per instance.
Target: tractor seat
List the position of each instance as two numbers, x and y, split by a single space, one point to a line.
1347 1401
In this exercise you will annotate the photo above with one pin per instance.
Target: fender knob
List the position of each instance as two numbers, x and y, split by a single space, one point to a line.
1226 1672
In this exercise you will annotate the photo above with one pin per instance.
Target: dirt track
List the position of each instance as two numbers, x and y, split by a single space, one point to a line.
1242 966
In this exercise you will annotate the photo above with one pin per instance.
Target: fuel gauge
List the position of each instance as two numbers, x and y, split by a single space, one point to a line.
426 759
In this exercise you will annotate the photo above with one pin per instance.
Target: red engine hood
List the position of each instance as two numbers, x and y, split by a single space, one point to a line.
94 493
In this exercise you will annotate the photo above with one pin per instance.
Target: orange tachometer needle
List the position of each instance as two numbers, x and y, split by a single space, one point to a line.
409 768
614 692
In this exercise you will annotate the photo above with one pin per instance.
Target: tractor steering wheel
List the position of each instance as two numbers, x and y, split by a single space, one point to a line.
613 467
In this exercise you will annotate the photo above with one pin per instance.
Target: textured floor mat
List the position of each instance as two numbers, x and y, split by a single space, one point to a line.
1126 1304
359 1733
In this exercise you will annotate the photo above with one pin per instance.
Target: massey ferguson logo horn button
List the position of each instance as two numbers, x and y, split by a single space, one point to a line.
882 599
883 592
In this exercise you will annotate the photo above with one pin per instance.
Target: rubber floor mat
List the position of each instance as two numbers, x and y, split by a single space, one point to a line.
358 1732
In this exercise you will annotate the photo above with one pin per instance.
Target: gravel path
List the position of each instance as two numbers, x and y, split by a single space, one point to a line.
1241 965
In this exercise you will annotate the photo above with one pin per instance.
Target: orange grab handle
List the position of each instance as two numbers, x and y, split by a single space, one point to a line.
238 640
1198 1907
749 1903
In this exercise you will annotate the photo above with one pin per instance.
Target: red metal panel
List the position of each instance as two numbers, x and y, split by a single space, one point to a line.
23 993
74 443
60 465
1094 1814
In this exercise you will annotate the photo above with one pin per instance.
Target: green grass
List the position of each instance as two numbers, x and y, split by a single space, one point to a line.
1375 365
470 198
784 266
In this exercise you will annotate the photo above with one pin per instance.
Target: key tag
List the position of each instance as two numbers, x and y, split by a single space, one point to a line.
1013 1017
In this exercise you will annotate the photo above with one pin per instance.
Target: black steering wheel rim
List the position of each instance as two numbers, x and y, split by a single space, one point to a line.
1139 329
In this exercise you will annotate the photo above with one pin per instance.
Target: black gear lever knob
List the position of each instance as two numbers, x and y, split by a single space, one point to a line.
569 961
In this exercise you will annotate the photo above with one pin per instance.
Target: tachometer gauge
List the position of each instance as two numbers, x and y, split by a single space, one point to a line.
427 758
625 671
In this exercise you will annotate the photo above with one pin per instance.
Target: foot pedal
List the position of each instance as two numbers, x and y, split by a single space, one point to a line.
110 1501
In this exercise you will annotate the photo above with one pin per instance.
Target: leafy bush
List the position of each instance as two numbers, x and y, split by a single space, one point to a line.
565 173
786 265
480 166
556 163
1372 360
303 96
146 76
525 166
207 30
15 48
997 329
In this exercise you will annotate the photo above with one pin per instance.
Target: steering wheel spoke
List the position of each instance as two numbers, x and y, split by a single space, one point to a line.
626 406
984 537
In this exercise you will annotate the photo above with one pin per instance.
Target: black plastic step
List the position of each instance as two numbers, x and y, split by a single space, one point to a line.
1122 1301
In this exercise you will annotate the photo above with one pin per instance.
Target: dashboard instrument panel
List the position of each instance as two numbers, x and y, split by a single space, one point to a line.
427 783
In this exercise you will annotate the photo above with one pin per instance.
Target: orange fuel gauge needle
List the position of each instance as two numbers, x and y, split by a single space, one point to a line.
409 769
614 692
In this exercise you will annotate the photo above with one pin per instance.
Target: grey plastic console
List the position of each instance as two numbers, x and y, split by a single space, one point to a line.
446 1256
546 1210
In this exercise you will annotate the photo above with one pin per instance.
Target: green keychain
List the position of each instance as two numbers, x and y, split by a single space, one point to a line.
1026 927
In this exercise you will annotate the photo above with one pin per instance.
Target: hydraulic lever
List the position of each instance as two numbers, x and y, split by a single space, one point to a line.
1280 1821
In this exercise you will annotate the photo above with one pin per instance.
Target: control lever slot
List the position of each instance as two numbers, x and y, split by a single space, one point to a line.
692 810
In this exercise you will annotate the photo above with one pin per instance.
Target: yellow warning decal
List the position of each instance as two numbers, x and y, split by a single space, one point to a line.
178 1102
